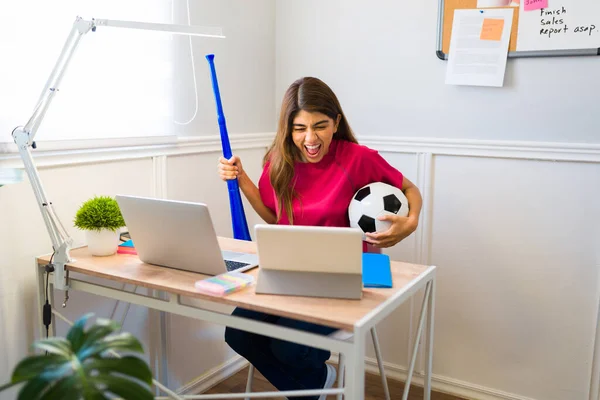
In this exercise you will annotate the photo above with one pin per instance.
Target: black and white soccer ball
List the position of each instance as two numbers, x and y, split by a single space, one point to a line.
373 200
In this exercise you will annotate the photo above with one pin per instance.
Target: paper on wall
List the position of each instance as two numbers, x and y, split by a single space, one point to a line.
479 47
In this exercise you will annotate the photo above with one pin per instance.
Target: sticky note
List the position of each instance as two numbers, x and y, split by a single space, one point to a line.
531 5
492 29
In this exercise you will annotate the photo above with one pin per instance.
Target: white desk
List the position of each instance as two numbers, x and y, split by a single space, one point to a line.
357 316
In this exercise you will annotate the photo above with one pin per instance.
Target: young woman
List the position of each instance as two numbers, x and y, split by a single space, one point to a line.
311 172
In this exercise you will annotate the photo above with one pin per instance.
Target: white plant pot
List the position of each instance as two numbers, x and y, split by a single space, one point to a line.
103 242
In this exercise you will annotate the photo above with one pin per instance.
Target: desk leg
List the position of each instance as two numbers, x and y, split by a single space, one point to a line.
164 374
158 342
355 367
53 305
415 349
429 344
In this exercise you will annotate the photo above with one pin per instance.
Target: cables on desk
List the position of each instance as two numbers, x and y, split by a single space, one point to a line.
47 308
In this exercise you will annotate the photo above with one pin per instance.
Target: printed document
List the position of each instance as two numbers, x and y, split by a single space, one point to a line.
479 47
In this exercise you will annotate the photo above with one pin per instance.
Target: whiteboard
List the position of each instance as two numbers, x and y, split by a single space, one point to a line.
565 27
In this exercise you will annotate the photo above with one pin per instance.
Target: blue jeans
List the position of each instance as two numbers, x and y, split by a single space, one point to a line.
287 365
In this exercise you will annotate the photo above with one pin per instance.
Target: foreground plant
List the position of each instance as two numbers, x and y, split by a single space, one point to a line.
83 366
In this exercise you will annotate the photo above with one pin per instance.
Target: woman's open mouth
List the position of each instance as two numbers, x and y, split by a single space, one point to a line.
312 150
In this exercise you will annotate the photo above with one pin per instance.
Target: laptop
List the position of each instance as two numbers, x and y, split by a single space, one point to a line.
180 235
309 261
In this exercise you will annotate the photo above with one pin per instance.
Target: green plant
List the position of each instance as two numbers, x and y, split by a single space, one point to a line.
79 367
99 212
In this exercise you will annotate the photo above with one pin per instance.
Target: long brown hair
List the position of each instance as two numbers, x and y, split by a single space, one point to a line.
311 95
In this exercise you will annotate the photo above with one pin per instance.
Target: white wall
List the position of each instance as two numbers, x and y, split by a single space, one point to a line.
244 61
379 57
518 281
71 174
514 234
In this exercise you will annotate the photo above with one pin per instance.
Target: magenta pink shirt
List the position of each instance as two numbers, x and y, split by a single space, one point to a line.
327 187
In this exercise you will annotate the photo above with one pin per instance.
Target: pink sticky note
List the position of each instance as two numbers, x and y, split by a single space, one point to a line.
531 5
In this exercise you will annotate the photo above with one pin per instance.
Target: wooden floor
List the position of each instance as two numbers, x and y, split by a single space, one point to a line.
373 388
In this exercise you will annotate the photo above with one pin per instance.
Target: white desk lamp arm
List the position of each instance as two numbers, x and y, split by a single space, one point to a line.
24 139
24 136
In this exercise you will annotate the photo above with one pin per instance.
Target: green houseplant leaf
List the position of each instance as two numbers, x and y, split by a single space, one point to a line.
99 212
58 346
33 366
79 366
76 334
122 341
125 365
99 330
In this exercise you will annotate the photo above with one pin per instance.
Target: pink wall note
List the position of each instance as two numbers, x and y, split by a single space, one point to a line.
535 4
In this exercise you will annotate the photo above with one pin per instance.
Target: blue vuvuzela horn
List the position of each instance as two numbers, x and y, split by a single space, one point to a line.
238 217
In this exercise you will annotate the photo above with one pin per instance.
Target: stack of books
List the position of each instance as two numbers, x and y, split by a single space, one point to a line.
127 248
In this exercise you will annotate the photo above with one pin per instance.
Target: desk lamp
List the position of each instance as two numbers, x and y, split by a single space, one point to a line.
24 135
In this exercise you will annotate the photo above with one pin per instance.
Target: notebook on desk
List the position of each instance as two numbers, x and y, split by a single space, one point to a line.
127 248
376 270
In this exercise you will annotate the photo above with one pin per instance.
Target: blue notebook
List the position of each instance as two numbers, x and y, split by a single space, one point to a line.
376 272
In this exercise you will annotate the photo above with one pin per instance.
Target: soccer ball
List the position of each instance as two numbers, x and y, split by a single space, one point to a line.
373 200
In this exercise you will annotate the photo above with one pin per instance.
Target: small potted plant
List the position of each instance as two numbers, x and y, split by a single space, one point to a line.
100 217
84 365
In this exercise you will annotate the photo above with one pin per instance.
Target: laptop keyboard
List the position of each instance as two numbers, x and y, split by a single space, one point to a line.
233 265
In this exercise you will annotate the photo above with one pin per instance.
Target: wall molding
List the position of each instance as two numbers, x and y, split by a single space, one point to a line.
73 152
438 383
214 376
393 371
550 151
62 153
